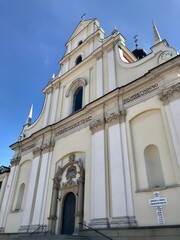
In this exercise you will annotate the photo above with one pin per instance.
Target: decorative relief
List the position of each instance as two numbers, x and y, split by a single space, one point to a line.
116 117
15 161
70 174
72 157
166 55
73 173
170 94
37 151
46 147
97 125
141 93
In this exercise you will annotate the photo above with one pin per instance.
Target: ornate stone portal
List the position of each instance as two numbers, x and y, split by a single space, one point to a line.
68 179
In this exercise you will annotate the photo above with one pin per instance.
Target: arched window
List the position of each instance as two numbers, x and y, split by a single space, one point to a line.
20 197
78 60
79 43
153 167
77 99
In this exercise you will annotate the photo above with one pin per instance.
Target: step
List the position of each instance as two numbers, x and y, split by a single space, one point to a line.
46 237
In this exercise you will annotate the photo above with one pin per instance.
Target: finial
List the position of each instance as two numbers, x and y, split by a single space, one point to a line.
157 37
136 40
53 76
115 31
29 119
82 17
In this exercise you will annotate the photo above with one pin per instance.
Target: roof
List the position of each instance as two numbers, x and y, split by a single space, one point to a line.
4 169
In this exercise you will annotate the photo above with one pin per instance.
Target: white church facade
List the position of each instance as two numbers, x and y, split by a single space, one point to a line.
105 150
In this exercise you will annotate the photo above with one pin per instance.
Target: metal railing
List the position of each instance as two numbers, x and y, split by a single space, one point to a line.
90 228
39 227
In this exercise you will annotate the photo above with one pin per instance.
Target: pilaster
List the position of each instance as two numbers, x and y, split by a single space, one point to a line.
47 108
98 177
111 69
54 104
28 208
40 201
120 186
171 99
99 77
5 207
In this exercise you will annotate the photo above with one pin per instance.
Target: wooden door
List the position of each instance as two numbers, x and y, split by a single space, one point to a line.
68 214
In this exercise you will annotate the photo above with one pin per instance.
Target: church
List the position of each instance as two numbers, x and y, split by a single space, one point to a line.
102 160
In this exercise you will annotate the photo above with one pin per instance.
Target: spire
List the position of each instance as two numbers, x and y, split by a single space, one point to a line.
29 119
157 37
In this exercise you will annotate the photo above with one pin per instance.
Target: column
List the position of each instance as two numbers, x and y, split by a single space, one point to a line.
31 191
98 177
111 70
99 77
5 207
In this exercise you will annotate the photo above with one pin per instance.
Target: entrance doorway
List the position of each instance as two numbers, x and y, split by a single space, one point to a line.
68 219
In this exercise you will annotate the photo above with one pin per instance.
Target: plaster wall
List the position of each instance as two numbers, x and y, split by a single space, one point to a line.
147 124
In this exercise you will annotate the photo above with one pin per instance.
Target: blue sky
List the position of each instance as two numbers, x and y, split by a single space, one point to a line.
33 34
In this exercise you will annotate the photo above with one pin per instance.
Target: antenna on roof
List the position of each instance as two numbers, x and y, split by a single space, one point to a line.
82 17
136 40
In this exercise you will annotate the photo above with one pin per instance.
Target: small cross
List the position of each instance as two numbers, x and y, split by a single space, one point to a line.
82 17
158 203
136 40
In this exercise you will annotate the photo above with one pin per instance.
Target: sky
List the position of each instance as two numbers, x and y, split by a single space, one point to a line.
33 34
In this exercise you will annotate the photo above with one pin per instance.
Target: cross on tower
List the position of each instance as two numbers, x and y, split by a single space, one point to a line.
158 203
136 40
82 17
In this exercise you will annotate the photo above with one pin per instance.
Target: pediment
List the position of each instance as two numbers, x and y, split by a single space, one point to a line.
82 25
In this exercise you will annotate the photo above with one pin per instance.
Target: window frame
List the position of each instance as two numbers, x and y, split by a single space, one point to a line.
80 82
78 60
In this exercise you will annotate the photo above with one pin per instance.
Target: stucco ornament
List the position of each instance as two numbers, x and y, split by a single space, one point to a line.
170 93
